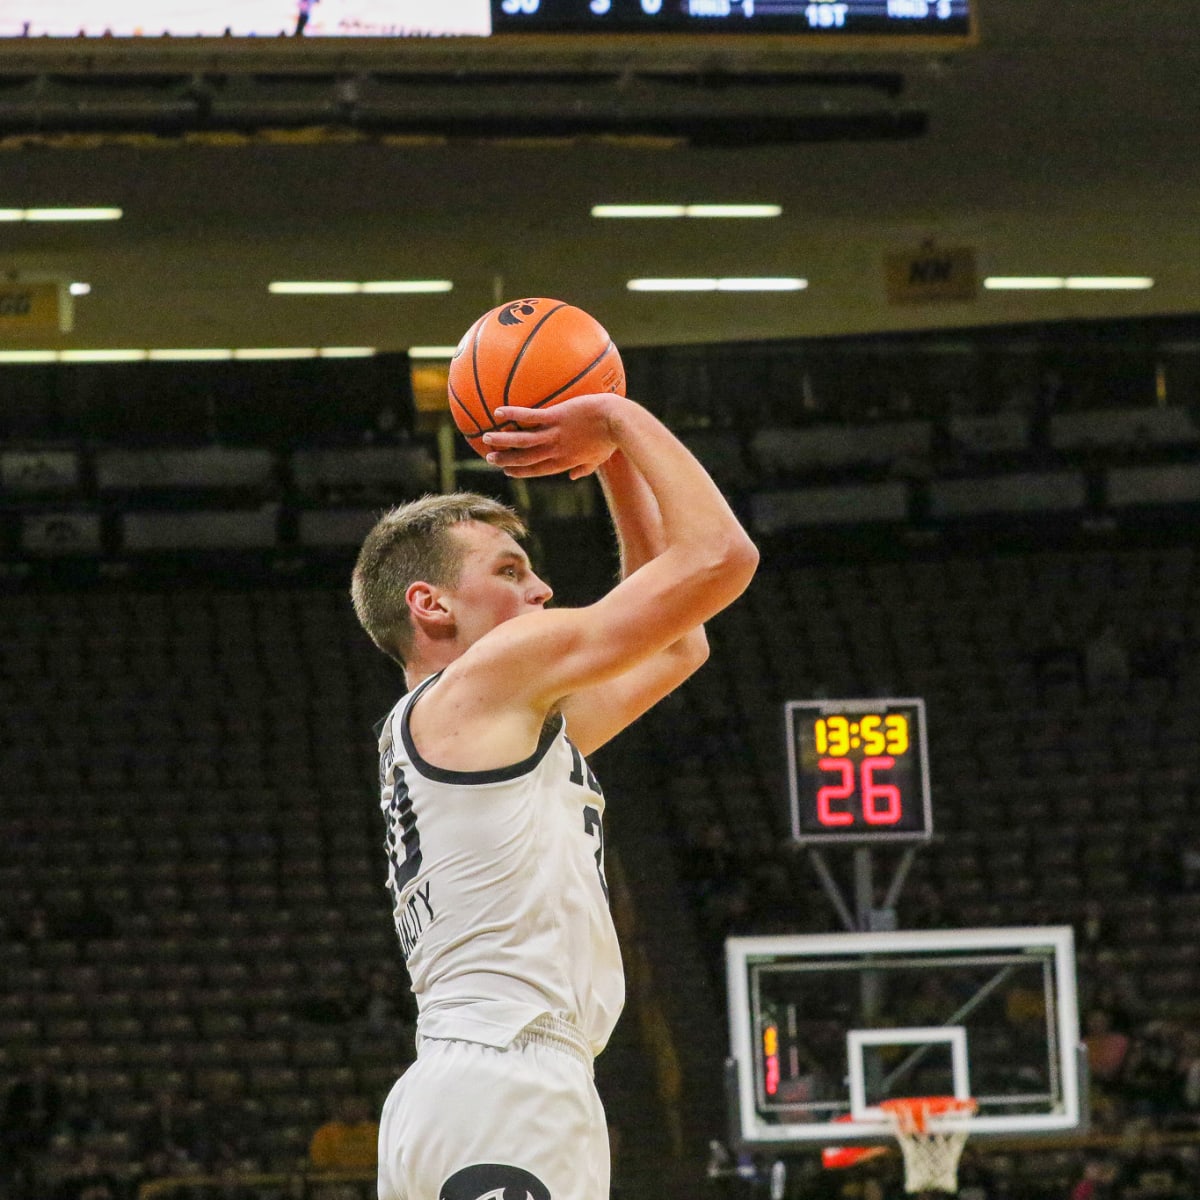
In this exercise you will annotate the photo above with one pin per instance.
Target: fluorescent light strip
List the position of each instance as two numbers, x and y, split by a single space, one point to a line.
736 211
651 211
199 354
746 284
761 285
431 351
373 287
60 214
639 211
79 356
314 288
1023 283
1079 283
406 287
1110 283
80 289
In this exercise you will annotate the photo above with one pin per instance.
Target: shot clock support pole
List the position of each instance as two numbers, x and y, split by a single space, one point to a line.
864 886
862 917
831 888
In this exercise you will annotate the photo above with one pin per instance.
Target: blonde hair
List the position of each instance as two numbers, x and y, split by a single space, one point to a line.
411 544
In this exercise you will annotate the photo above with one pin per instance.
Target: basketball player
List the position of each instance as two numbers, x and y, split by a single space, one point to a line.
494 818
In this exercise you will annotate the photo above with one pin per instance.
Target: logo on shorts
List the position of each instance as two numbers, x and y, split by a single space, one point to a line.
493 1181
516 312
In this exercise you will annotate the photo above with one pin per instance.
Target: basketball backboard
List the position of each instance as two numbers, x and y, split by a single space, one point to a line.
825 1027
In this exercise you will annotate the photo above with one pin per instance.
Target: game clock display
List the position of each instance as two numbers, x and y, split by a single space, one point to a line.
858 770
832 19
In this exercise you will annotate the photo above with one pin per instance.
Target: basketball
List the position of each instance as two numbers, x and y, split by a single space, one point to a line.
529 353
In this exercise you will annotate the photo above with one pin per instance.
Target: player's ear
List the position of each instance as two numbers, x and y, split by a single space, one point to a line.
427 607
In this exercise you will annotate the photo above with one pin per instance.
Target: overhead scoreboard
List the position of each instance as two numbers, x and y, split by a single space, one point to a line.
858 771
951 19
424 29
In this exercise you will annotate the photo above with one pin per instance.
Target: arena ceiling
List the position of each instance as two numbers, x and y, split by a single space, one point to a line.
1064 144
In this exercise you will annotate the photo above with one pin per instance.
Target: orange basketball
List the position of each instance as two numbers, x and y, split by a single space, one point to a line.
529 353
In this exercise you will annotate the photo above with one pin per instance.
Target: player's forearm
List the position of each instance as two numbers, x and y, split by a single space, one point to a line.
697 522
634 512
638 524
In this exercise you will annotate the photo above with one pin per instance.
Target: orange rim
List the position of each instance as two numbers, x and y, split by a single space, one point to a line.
911 1113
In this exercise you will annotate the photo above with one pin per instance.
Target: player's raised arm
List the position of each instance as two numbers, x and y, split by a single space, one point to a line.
705 563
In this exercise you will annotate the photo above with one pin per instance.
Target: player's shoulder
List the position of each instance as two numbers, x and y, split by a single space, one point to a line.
521 644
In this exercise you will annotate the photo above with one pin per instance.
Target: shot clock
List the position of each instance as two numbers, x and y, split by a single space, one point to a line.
858 770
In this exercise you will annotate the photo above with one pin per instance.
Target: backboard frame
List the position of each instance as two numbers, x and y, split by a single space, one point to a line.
1049 943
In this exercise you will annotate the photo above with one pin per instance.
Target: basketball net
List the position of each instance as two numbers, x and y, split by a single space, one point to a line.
931 1152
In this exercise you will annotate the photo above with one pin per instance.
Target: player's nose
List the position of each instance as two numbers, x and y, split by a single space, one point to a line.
541 593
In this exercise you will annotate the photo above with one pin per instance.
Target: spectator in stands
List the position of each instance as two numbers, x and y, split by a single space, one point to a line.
1106 1047
1099 1180
1091 929
348 1141
1188 1074
1118 994
1149 1075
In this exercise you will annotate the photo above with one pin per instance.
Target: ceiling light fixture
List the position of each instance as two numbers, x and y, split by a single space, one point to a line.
1023 283
373 287
80 289
1080 283
1109 283
655 211
96 356
733 284
199 354
61 214
735 211
431 351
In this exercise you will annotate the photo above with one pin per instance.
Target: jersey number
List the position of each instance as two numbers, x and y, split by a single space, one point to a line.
594 827
402 831
581 774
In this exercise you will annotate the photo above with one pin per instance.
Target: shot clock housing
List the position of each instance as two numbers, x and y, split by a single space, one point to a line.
858 770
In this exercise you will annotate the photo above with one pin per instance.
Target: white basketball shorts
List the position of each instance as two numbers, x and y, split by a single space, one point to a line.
470 1122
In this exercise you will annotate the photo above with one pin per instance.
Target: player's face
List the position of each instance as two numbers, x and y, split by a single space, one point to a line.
496 581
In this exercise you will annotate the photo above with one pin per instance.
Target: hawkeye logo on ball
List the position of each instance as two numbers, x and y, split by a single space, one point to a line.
516 312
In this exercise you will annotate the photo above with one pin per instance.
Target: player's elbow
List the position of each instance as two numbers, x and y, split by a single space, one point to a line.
738 560
720 572
692 650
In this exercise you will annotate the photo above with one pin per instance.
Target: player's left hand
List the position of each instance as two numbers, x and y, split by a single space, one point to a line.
574 436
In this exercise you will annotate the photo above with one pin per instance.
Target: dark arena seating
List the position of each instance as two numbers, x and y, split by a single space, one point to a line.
190 843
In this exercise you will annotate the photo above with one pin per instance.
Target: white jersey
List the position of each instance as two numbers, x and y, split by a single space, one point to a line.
497 881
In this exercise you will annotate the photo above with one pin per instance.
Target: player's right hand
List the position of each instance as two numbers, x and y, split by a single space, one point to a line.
574 436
